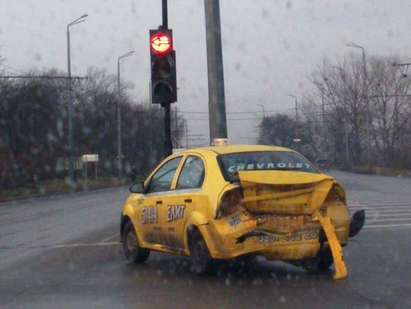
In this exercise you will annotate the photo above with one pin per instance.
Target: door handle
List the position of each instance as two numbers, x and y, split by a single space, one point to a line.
159 202
188 200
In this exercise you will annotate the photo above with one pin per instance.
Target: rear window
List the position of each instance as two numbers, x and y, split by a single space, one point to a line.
232 163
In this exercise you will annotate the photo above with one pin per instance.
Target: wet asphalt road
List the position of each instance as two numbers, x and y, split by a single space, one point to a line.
63 252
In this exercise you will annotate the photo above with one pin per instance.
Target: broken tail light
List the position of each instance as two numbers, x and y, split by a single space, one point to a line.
230 202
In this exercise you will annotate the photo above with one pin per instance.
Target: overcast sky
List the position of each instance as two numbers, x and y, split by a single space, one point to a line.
269 46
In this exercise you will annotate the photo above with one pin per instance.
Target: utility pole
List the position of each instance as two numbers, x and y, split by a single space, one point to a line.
168 145
296 140
324 131
347 145
216 94
119 135
70 103
262 109
368 115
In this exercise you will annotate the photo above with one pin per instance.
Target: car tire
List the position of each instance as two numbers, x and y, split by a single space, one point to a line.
321 263
201 262
131 248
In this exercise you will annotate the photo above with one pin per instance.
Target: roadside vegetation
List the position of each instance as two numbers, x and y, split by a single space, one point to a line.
34 132
332 116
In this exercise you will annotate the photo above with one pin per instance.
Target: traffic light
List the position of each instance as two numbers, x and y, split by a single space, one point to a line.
163 67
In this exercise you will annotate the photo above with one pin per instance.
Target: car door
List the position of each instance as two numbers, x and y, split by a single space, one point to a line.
187 196
152 210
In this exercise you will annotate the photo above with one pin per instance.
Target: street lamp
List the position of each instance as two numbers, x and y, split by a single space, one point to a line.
295 139
70 103
119 142
365 85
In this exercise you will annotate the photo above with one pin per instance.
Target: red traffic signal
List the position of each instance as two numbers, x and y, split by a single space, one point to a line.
163 67
161 43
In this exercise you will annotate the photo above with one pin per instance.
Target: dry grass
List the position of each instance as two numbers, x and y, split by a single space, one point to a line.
382 171
58 186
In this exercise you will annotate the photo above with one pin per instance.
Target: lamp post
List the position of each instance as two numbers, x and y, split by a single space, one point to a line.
365 86
70 103
119 141
296 140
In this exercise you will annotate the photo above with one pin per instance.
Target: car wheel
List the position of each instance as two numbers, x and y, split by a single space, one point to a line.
131 248
321 263
200 257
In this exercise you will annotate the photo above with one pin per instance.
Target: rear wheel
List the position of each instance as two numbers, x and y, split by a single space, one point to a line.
200 257
131 248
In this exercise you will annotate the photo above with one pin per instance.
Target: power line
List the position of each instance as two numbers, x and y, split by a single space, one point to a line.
40 77
241 119
244 112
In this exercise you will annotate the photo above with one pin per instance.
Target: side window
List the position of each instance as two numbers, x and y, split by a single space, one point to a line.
161 180
192 174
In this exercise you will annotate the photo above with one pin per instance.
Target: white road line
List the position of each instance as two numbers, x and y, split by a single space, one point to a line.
390 219
380 207
367 201
97 244
378 214
111 237
385 226
384 211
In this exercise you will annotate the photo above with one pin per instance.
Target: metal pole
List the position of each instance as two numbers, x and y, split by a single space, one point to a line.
70 103
70 113
296 117
186 132
216 106
368 113
119 125
324 132
168 145
347 145
119 142
165 14
368 108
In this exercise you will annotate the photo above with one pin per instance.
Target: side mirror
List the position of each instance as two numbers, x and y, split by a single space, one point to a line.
137 188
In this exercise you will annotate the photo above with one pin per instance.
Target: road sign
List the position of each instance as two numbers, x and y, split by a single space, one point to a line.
90 158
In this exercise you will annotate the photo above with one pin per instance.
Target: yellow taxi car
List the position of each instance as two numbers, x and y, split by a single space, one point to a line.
225 202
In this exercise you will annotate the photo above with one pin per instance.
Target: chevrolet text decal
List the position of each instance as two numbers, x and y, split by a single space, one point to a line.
267 166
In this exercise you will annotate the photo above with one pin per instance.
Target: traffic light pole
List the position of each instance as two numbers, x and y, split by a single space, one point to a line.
168 145
216 105
165 14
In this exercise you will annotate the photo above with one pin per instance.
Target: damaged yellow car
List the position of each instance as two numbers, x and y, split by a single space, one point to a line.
238 201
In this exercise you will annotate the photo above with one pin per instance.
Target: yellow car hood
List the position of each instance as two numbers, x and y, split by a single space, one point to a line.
284 192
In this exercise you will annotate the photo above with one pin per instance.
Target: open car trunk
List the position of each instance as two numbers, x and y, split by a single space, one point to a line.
286 202
284 192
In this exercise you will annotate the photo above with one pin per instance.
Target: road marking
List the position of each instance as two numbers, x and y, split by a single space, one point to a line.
110 237
381 210
390 219
377 203
382 226
96 244
384 215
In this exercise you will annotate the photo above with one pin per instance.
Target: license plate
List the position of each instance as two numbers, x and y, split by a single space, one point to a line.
295 237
